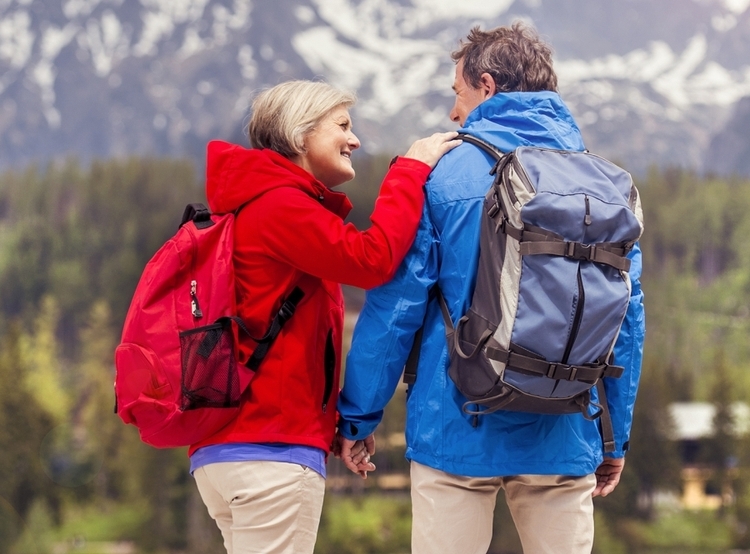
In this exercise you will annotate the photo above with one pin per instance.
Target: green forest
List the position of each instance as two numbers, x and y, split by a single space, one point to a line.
73 242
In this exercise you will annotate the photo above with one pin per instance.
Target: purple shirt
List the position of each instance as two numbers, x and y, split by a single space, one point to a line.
308 456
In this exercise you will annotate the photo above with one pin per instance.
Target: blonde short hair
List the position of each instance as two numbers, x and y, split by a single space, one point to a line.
284 114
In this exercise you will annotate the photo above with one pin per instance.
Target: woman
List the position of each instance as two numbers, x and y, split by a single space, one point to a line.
262 477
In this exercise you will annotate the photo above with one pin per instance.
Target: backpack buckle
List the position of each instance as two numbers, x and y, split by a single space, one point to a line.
551 371
579 251
566 372
492 212
287 310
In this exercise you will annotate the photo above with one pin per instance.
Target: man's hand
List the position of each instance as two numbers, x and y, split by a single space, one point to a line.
608 475
355 454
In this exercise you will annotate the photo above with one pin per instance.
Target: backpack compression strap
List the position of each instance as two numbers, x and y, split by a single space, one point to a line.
535 240
557 371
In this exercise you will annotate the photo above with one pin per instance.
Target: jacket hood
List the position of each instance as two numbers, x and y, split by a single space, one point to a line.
509 120
236 175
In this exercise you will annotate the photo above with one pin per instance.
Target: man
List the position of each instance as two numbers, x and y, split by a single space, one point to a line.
550 466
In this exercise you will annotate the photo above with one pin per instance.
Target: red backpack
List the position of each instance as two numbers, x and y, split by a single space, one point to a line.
177 375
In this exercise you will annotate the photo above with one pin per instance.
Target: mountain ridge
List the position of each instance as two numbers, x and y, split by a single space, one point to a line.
649 83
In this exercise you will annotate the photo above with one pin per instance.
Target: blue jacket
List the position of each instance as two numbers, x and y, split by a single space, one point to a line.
445 251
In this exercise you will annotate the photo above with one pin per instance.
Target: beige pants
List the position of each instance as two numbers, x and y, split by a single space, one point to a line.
453 515
263 507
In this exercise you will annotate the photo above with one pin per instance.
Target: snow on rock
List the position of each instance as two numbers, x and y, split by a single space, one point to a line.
683 79
16 38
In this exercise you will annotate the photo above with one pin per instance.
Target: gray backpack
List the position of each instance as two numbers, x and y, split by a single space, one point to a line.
552 285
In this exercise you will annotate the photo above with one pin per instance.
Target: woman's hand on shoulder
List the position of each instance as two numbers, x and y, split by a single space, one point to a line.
430 149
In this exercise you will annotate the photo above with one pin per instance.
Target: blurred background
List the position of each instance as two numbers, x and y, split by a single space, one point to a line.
105 110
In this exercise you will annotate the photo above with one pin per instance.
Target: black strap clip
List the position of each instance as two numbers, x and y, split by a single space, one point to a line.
579 251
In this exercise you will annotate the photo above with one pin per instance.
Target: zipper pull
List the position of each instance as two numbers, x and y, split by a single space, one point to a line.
587 218
195 308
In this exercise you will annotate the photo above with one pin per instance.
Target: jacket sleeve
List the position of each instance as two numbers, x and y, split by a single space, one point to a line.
628 353
384 334
295 229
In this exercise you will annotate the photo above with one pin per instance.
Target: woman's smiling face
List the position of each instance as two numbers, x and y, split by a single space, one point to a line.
328 149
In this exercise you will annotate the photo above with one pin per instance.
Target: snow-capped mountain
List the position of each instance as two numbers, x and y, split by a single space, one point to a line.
650 81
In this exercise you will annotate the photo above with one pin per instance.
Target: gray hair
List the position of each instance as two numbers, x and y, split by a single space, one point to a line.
516 58
284 114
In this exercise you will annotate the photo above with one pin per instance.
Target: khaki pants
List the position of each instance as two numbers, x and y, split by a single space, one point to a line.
263 507
453 515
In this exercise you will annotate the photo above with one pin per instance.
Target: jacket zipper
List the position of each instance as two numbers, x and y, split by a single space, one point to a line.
577 317
329 365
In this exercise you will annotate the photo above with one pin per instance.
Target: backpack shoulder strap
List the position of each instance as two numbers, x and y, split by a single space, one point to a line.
486 146
412 362
285 313
605 420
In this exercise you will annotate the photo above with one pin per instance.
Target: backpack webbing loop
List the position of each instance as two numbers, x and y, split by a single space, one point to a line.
198 214
498 402
457 339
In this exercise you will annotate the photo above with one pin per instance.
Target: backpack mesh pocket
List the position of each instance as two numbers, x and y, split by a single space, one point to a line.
209 367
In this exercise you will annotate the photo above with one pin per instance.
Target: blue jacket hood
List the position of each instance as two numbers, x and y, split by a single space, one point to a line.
513 119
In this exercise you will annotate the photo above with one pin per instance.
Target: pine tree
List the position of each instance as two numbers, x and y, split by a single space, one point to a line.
23 427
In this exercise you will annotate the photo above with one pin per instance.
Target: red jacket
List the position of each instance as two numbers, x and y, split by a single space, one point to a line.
293 225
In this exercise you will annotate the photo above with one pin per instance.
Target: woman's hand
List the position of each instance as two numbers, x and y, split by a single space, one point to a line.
429 150
355 454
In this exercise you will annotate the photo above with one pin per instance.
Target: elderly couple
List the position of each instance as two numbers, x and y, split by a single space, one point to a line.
262 477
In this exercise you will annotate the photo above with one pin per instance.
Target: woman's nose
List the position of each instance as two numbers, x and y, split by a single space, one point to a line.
353 141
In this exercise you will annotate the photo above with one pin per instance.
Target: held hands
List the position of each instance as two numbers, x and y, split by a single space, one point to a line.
608 475
355 454
429 150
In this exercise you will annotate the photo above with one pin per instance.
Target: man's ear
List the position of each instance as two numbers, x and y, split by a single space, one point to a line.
487 85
